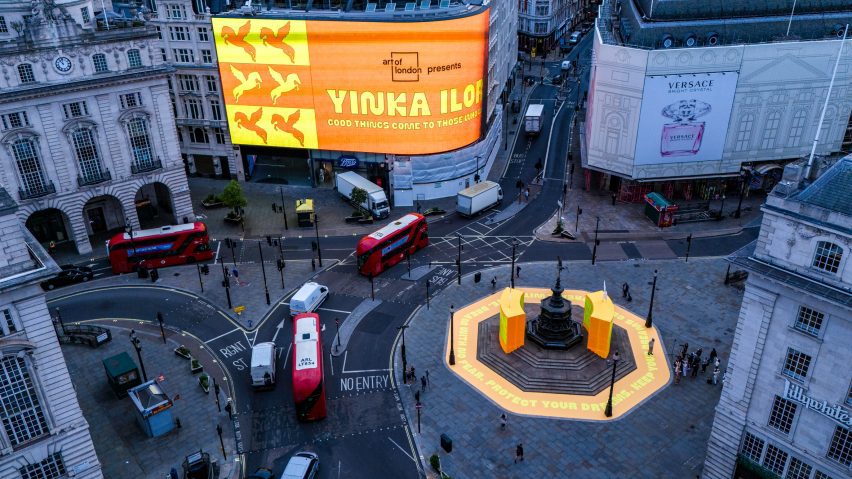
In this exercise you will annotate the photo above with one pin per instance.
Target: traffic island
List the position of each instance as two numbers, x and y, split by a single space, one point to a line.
572 383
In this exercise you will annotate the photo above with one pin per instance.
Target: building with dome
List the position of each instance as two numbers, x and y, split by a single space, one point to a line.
88 144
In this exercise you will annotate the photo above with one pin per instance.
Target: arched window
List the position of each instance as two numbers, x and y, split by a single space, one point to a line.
770 132
140 143
134 59
30 170
20 407
744 132
613 135
100 63
797 128
827 256
25 73
88 158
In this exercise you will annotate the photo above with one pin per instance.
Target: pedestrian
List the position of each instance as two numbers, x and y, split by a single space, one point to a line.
313 264
686 368
519 453
625 290
236 275
685 348
717 363
52 247
427 378
504 421
494 282
413 375
517 271
704 365
527 195
715 375
418 207
229 409
629 297
698 353
613 199
695 367
677 371
713 354
423 382
651 347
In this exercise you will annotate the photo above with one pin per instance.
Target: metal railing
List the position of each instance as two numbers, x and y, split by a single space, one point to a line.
94 179
45 189
142 167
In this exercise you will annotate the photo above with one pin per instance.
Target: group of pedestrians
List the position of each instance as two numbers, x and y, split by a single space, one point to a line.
688 363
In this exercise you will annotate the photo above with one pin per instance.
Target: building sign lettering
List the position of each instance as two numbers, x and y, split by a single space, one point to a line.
797 394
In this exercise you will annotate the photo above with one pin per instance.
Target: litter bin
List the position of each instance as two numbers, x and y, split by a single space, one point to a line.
446 443
142 273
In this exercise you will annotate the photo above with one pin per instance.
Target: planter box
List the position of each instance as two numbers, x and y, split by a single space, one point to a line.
195 366
233 219
183 352
204 382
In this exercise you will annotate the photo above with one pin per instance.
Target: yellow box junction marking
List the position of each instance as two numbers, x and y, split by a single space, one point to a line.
652 372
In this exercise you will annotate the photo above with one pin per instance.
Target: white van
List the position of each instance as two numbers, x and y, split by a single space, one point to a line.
263 365
308 298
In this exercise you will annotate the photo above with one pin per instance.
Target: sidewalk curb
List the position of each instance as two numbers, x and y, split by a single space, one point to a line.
418 446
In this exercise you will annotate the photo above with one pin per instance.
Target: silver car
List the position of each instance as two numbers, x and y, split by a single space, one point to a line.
303 465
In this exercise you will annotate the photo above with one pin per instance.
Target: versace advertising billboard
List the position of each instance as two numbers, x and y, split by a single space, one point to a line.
684 118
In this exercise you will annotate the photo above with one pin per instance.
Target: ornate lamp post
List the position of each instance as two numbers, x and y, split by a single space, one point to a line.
608 410
512 271
135 341
650 319
452 341
595 247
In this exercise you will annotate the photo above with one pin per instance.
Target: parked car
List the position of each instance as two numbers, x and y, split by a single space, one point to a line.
70 274
303 465
575 37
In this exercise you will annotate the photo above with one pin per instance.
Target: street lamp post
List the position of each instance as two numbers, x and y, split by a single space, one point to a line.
452 341
722 208
283 209
744 178
221 441
650 319
200 281
608 410
512 271
372 289
402 352
337 323
129 229
227 284
135 342
595 247
458 260
316 229
688 247
263 270
161 322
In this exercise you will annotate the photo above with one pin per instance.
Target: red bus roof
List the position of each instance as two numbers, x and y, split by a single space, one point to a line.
162 231
395 226
307 355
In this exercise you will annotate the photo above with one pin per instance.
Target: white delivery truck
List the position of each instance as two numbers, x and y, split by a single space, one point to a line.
263 365
377 202
308 298
532 120
478 198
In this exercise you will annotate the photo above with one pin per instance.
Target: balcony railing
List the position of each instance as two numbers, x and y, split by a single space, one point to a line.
142 167
28 193
94 178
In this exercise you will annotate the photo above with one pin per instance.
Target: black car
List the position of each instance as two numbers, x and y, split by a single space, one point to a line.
70 274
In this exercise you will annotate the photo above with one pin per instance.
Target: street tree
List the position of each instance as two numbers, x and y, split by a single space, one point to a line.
233 196
358 197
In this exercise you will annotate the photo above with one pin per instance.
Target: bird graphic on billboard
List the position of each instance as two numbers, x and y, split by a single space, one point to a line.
238 38
247 83
292 82
250 122
287 126
269 38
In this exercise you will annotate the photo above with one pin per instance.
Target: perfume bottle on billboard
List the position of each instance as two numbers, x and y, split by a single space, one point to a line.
683 136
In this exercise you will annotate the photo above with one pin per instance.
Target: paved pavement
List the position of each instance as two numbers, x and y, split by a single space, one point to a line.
692 305
123 448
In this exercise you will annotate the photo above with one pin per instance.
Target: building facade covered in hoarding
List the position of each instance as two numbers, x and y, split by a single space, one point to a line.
410 95
685 94
786 405
43 433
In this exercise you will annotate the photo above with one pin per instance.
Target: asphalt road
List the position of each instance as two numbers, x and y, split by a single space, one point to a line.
366 434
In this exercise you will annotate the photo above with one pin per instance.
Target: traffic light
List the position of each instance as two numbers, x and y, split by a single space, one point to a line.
689 239
313 245
281 264
160 317
205 269
269 240
477 277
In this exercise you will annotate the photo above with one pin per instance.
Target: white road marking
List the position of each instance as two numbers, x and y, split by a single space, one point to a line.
278 330
221 336
287 358
334 310
218 247
331 363
359 371
401 449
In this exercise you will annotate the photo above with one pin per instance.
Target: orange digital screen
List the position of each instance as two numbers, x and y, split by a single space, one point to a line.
387 87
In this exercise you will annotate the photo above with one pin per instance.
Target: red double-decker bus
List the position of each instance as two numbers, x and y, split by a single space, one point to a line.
308 377
388 246
159 247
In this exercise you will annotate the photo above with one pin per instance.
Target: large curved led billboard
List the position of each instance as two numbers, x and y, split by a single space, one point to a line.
390 87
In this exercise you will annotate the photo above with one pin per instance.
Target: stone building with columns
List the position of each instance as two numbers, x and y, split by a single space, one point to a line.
88 144
786 404
44 434
187 44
